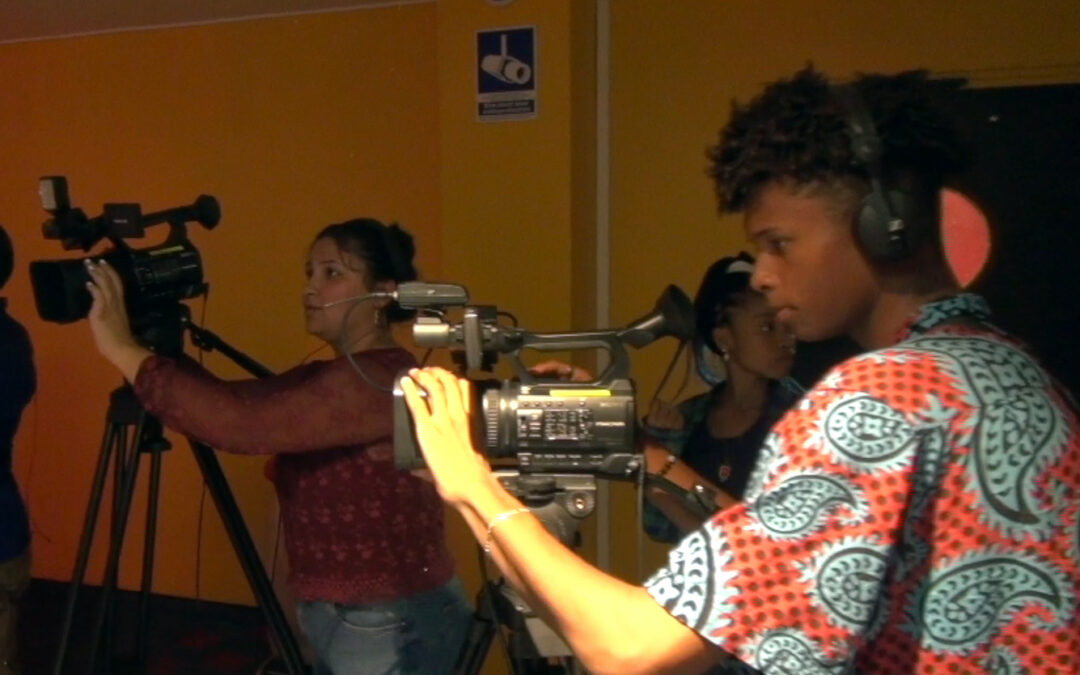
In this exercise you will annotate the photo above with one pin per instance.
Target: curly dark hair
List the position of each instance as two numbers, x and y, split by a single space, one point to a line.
797 130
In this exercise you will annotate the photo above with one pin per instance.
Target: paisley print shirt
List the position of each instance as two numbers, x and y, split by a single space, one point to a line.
918 511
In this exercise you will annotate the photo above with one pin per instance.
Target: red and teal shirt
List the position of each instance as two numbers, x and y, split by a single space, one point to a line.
917 511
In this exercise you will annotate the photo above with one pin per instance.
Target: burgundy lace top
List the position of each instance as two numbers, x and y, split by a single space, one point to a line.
356 529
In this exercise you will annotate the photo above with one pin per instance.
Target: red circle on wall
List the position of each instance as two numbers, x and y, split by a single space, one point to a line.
965 234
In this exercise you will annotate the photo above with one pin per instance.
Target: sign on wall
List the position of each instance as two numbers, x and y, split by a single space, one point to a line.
506 74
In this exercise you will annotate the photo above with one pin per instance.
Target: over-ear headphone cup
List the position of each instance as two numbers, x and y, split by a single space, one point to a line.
880 239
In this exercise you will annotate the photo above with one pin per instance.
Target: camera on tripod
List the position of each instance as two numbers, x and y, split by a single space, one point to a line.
549 426
154 277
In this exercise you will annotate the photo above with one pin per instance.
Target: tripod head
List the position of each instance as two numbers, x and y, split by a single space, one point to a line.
559 500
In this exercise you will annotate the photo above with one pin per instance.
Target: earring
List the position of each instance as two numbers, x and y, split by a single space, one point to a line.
724 353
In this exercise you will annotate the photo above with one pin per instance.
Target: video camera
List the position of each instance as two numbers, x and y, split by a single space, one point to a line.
549 426
153 277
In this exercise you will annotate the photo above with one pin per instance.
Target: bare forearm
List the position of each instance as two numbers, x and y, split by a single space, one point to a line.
611 626
682 475
479 529
128 358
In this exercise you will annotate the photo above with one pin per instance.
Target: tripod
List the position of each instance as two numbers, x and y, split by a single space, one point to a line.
163 330
560 501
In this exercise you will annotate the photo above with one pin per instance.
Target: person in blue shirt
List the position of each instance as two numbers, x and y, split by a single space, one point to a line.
17 385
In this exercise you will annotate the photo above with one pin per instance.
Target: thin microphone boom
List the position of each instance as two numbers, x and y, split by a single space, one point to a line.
415 294
362 296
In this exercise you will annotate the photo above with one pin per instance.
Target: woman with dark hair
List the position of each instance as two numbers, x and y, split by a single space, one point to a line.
367 556
714 439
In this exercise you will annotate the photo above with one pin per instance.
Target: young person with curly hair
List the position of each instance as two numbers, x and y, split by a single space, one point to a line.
917 511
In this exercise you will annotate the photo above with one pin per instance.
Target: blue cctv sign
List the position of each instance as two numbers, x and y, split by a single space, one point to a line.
506 73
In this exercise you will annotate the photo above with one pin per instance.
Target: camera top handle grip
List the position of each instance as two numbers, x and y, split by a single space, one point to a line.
618 366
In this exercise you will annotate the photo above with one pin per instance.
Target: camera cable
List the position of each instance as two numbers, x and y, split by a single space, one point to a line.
343 342
667 374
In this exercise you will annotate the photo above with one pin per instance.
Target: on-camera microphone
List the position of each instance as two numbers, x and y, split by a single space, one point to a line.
414 294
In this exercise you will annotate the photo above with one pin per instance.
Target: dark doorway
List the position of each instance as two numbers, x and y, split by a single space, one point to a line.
1026 178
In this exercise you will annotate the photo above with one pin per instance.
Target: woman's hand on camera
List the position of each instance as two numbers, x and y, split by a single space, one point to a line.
664 415
562 370
109 320
444 431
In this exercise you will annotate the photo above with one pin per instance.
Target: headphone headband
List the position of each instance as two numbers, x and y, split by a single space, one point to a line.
883 225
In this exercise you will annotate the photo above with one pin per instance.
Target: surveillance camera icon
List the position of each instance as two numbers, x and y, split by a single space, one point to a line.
504 67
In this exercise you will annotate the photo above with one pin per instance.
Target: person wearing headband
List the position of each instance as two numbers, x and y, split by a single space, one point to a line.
741 351
368 562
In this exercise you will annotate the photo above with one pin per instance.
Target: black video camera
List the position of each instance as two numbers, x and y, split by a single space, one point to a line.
549 426
153 277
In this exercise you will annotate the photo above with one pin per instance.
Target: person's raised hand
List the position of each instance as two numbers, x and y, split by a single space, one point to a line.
109 322
664 415
444 431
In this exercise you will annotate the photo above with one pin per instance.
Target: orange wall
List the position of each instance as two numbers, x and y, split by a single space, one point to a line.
517 195
676 67
296 122
292 123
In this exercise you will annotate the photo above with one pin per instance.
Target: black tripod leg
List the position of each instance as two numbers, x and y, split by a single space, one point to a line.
143 625
116 541
477 646
249 558
93 506
124 453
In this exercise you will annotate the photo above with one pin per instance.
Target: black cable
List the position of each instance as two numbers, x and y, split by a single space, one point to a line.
688 363
202 496
667 374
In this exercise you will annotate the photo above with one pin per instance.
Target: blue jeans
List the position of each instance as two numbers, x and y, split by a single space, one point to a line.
422 634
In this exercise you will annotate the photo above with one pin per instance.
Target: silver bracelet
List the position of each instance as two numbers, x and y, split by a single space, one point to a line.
498 519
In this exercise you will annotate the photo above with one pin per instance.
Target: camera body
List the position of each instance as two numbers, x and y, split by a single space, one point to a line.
153 277
547 425
560 427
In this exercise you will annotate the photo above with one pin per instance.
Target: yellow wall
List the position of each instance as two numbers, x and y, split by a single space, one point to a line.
676 67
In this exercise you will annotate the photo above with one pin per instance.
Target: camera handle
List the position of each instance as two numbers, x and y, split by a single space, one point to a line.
618 363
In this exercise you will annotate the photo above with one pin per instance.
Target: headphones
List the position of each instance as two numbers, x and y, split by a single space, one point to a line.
891 222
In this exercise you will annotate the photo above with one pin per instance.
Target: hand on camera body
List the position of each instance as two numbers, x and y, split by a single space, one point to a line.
443 429
109 321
